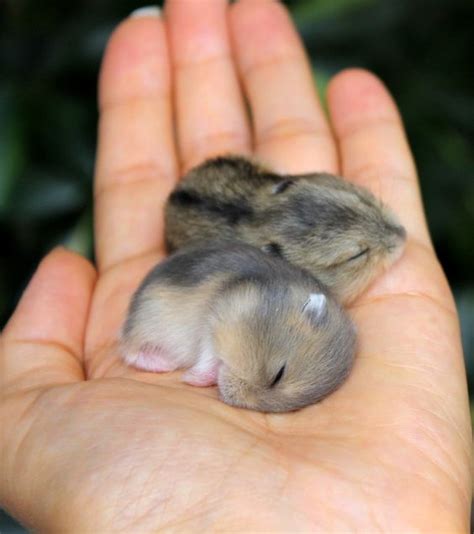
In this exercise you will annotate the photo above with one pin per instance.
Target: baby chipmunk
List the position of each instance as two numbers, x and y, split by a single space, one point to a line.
336 230
266 332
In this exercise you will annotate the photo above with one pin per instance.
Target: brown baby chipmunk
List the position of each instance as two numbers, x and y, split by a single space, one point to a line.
336 230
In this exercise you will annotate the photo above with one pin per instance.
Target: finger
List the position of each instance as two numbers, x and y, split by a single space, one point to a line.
211 116
136 165
42 343
290 129
373 146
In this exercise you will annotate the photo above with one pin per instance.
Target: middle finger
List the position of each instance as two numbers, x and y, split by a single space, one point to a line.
210 113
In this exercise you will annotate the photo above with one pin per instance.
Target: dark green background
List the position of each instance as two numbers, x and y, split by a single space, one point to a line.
49 59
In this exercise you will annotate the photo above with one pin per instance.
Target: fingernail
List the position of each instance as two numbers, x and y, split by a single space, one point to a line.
147 11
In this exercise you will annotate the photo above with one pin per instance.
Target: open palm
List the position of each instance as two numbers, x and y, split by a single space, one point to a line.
90 445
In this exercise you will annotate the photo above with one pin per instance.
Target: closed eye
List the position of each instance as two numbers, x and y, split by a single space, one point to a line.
272 248
359 254
278 377
282 186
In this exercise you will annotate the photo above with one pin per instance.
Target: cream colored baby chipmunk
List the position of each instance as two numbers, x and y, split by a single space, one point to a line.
268 333
339 232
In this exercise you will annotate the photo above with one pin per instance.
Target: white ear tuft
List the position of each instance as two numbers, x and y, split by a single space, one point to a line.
316 305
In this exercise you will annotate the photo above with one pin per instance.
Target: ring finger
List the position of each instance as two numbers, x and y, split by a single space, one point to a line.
290 128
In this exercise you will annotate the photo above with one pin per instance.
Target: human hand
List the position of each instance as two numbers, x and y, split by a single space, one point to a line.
90 445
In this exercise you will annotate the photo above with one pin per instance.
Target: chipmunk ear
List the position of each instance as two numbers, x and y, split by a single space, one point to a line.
315 308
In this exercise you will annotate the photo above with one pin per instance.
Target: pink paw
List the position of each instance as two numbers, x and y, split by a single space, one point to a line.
151 359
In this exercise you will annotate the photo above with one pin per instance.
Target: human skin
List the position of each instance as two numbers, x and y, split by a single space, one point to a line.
90 445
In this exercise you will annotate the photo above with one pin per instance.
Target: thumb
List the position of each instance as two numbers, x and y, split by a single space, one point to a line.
42 343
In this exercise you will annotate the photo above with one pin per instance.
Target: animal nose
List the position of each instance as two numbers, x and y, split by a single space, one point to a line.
397 239
397 230
400 232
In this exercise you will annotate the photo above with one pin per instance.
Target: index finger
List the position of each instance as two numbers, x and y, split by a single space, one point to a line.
136 163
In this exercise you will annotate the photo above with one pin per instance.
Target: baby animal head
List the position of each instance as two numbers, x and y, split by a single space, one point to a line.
339 232
281 348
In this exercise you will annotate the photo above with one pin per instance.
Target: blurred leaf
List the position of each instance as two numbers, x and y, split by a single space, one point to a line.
79 238
321 79
9 525
11 145
465 305
308 11
40 196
